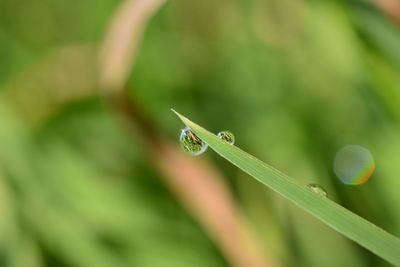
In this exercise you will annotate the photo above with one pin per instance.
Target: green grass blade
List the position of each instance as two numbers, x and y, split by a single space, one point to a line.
342 220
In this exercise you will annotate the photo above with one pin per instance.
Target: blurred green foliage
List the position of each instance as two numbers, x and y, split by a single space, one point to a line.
294 80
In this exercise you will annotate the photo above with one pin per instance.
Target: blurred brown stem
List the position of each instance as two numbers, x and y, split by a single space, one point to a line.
199 186
390 8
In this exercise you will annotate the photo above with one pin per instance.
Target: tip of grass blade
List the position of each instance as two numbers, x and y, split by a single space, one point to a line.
185 120
176 113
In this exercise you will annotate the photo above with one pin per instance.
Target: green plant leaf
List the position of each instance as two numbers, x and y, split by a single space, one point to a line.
368 235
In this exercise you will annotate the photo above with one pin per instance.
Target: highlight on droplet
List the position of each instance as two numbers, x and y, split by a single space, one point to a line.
354 164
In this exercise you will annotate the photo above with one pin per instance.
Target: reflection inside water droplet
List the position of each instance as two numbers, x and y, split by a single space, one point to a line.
227 136
354 165
317 189
191 143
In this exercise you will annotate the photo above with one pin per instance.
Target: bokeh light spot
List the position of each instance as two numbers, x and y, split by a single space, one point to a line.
354 164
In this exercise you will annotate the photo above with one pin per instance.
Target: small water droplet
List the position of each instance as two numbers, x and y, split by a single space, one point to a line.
191 143
354 165
227 136
317 189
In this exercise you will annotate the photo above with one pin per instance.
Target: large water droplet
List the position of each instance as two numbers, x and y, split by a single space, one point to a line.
227 136
354 165
191 143
317 189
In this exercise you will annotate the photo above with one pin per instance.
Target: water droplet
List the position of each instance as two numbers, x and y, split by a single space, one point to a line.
191 143
354 165
317 189
227 136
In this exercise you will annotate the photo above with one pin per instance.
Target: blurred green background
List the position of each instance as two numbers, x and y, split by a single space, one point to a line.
295 81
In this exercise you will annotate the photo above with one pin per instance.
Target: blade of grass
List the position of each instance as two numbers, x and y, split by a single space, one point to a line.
342 220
